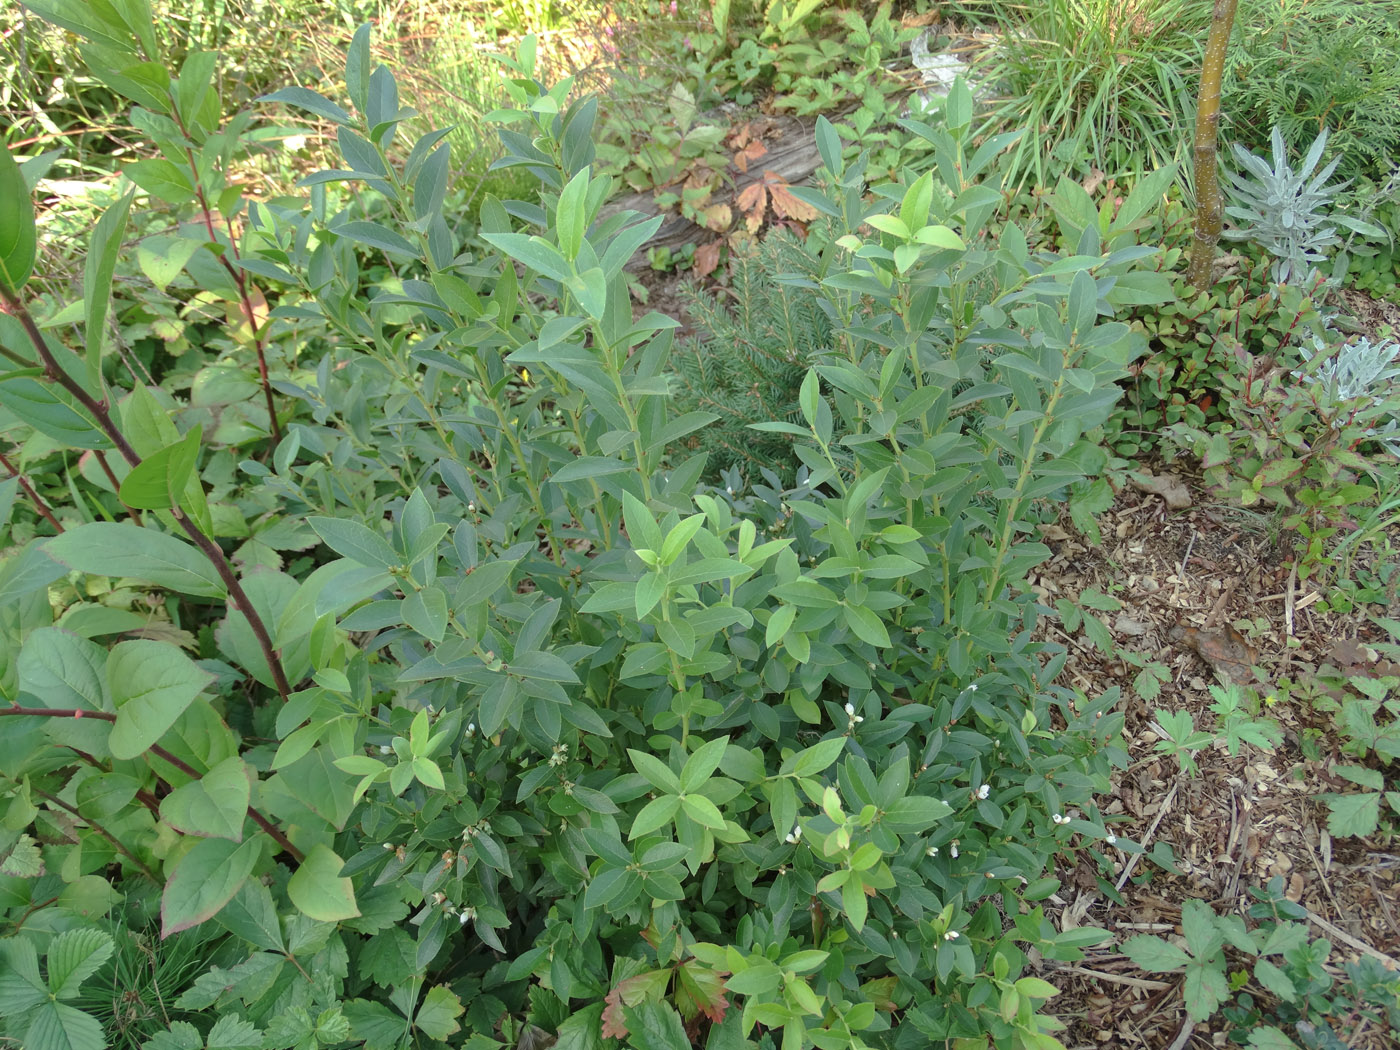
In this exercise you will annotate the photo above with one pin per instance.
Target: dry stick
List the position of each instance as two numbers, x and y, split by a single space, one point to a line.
210 549
1210 202
1361 946
155 749
1183 1037
34 497
1162 812
1116 978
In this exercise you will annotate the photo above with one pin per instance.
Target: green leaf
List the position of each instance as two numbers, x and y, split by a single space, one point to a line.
162 180
319 891
699 766
162 258
657 772
437 1017
1206 988
915 814
304 98
18 244
1357 814
103 248
150 683
816 758
74 956
533 252
572 215
215 805
21 987
425 611
63 670
357 542
58 1026
204 880
160 480
1154 954
866 626
120 549
377 236
704 812
51 411
655 1026
357 68
654 814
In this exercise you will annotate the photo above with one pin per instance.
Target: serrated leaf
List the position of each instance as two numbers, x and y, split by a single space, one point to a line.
1155 955
437 1017
74 956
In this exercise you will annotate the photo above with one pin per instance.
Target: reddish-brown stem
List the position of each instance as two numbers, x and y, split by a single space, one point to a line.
116 842
34 497
116 485
156 750
103 417
240 280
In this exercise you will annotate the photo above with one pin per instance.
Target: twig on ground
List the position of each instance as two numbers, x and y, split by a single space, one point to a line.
1348 939
1116 978
1132 861
1183 1037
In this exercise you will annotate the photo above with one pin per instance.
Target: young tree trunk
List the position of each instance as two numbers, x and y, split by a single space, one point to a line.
1210 203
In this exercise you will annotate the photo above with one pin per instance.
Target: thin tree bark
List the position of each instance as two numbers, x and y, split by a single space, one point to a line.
1210 202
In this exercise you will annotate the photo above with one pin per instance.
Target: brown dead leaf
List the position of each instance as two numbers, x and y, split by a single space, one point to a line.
1226 650
750 153
1127 625
785 205
706 259
753 203
1093 182
1170 487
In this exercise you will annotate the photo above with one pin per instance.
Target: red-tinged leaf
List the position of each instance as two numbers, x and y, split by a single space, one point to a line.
700 990
644 987
706 259
880 991
614 1024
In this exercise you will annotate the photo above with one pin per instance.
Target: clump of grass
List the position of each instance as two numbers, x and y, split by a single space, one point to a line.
1102 83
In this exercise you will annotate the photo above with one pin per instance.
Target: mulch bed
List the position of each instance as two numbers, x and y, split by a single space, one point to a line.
1206 591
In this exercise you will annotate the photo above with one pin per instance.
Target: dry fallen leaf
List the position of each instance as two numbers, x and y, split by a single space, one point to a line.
1170 487
1226 650
717 217
706 259
785 205
751 152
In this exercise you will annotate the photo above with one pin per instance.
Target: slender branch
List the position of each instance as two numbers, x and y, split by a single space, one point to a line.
103 416
116 485
159 752
34 497
240 279
116 842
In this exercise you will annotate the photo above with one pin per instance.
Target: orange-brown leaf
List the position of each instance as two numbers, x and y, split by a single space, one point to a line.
787 206
753 202
706 259
749 154
700 990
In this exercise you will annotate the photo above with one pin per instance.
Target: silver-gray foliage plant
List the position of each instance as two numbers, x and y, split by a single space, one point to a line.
1291 214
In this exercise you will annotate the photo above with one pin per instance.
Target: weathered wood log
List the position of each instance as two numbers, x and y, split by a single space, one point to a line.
792 154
